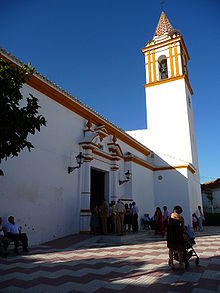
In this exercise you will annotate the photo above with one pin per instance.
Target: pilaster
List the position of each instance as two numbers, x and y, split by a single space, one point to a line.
114 182
85 213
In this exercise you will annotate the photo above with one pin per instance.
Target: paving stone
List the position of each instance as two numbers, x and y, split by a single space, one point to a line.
200 290
90 266
190 277
213 275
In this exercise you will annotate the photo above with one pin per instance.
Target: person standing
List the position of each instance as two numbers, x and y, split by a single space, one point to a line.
194 222
109 222
104 214
120 212
159 226
135 212
166 215
175 235
131 208
200 217
127 218
95 225
113 217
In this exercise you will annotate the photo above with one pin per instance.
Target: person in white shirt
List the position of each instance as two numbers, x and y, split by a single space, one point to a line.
14 233
135 211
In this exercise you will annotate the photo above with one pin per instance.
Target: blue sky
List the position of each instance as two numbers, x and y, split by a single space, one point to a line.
91 48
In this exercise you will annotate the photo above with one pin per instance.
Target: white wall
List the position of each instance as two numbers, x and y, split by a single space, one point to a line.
167 120
194 188
143 189
36 188
172 190
189 103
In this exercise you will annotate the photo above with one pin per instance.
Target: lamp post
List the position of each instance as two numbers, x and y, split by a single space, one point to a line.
79 159
128 177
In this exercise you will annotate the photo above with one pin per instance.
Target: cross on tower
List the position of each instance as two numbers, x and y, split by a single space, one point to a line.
161 3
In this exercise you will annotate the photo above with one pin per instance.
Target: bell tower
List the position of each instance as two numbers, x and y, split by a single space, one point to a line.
170 120
170 132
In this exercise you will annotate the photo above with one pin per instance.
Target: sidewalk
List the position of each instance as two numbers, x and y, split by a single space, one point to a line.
80 263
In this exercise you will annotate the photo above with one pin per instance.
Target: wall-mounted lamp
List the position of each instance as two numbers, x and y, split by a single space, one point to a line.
79 159
128 177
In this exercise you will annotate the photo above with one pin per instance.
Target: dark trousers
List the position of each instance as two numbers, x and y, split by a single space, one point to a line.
4 242
22 237
135 222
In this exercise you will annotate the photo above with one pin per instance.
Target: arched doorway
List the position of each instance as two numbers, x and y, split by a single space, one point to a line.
99 186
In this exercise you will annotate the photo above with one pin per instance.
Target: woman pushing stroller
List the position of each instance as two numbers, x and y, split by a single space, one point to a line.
176 236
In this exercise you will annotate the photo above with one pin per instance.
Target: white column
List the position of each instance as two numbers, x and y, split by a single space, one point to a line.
85 198
114 183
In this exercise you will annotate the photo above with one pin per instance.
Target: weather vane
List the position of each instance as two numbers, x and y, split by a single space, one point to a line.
161 3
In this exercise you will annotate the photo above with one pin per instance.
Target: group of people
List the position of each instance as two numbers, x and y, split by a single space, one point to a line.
158 222
11 232
114 217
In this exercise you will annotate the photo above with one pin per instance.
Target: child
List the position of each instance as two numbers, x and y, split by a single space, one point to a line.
194 222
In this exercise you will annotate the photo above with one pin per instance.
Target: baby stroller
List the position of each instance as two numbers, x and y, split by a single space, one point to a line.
188 251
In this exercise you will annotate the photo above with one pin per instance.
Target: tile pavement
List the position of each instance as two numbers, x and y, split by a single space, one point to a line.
86 264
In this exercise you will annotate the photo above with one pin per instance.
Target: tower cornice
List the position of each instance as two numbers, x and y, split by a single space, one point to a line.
162 81
152 46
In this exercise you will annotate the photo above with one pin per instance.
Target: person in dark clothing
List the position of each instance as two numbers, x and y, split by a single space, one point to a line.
127 218
135 211
175 235
159 226
94 221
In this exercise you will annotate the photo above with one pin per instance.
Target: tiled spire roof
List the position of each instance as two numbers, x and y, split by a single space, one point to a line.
163 26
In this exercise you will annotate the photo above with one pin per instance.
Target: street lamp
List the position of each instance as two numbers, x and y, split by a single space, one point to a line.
128 177
79 159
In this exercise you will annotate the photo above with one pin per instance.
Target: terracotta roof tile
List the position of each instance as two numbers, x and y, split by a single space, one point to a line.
163 26
211 184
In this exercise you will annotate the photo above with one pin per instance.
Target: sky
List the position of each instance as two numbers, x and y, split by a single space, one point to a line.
92 49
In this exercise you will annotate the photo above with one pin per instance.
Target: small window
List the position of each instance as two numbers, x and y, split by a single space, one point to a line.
162 62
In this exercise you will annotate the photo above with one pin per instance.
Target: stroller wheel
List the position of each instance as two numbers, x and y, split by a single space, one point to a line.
197 262
186 265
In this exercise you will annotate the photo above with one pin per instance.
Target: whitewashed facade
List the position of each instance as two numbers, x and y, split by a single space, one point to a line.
50 203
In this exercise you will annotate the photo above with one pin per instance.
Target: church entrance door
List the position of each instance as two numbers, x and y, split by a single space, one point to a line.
99 180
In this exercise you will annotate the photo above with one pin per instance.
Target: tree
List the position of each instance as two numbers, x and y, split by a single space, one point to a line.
210 197
16 120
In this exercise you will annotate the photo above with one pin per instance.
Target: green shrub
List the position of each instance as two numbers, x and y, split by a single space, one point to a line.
212 219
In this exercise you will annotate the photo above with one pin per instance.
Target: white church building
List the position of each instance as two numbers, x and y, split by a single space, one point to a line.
50 198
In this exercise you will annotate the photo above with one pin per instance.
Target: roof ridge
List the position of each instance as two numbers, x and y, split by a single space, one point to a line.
44 78
57 87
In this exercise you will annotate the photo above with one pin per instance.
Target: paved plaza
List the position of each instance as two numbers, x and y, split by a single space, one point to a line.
85 264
